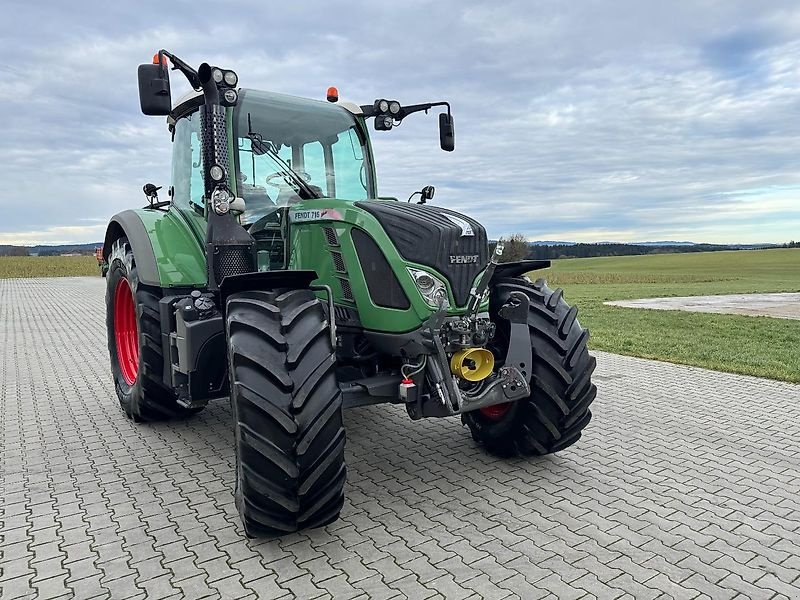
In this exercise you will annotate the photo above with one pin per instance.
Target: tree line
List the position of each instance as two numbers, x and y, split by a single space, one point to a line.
516 247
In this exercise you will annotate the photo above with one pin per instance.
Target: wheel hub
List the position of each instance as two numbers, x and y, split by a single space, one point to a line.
495 412
126 331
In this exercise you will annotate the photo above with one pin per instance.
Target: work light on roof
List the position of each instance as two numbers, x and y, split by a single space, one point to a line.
231 78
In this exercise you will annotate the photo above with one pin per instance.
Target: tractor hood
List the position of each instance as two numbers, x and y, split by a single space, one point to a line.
451 243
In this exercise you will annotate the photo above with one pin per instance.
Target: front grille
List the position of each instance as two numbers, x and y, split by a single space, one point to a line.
330 236
347 291
338 262
384 288
232 260
436 237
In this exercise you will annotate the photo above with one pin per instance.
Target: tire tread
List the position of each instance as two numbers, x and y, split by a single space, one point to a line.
296 479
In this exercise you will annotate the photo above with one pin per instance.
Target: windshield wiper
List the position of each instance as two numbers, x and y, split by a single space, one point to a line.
260 147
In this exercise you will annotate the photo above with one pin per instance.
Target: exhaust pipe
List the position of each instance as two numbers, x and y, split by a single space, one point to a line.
210 90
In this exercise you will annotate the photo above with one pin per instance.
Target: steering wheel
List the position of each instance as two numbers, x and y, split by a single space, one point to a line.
271 180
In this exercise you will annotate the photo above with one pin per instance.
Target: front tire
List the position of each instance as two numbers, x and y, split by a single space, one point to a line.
287 410
553 416
134 342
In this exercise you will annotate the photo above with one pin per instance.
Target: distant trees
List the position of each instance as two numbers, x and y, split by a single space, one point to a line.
14 251
792 244
588 250
515 248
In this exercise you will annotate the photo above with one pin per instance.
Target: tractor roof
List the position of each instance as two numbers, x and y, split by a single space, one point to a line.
189 101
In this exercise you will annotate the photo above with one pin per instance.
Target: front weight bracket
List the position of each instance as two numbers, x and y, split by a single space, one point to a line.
520 353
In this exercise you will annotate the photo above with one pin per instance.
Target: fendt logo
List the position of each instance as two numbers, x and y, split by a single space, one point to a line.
463 259
466 228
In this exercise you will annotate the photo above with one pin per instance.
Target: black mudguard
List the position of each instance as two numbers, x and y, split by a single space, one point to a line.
264 280
518 267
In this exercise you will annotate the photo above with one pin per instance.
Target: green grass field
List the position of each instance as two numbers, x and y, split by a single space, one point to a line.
759 346
47 266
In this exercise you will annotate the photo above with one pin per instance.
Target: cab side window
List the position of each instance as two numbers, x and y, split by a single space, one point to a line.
314 166
187 172
348 163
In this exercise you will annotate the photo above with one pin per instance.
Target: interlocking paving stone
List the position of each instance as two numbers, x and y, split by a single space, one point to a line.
684 485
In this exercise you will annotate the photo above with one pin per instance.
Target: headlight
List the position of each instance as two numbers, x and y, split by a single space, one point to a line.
433 289
221 201
383 106
394 107
216 75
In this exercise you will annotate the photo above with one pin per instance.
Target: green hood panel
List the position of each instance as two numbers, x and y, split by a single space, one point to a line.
311 249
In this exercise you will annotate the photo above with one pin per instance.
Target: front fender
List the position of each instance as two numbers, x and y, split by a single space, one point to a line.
168 253
517 268
264 280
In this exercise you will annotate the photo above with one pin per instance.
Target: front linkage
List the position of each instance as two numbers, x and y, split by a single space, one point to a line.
466 381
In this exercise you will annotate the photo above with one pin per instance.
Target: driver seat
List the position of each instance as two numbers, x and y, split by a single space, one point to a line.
256 199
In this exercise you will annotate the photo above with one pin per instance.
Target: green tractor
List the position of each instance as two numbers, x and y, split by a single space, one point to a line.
274 275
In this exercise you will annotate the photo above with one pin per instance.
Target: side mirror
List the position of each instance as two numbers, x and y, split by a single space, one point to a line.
154 94
151 190
447 132
426 194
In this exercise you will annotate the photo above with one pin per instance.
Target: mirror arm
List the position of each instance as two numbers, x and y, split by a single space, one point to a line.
369 109
179 65
407 110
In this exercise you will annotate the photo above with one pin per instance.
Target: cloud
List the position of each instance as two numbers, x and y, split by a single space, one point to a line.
588 121
55 235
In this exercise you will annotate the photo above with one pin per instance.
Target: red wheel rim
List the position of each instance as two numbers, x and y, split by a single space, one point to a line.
496 411
126 332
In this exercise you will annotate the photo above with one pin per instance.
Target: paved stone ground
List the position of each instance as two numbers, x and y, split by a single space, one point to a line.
685 485
780 305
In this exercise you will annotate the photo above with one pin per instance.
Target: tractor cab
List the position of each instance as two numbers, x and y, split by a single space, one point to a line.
284 150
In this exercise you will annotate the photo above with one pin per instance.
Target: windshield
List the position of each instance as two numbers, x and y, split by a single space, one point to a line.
290 149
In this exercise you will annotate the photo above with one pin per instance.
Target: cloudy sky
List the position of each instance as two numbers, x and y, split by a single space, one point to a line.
588 120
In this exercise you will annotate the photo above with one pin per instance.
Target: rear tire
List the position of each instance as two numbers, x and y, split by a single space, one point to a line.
557 410
137 361
287 410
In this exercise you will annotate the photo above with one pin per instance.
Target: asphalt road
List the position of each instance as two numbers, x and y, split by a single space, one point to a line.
686 484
